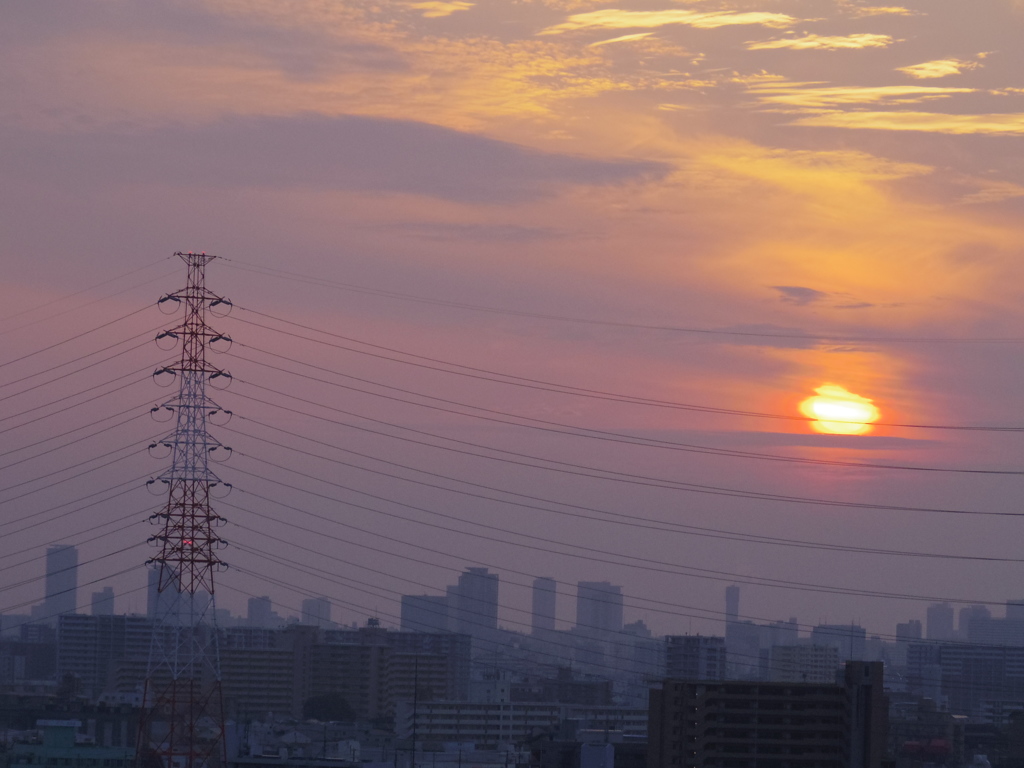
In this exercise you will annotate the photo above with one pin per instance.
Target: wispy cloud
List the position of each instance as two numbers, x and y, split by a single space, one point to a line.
932 122
435 9
991 191
799 295
824 42
800 95
938 68
617 19
622 39
880 10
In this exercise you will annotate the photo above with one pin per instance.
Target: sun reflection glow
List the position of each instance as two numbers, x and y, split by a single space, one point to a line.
837 411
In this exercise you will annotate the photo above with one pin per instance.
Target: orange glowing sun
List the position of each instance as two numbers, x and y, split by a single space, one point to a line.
837 411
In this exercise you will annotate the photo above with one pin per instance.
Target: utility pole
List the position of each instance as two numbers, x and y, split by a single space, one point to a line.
182 723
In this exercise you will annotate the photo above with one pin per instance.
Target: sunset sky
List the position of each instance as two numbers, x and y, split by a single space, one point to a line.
724 204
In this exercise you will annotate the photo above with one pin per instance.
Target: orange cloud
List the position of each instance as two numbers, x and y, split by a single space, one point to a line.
932 122
938 68
794 94
617 19
433 9
824 42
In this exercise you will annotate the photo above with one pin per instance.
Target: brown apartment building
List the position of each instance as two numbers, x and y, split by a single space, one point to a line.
742 724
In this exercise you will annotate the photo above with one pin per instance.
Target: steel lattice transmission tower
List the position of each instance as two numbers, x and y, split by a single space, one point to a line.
182 724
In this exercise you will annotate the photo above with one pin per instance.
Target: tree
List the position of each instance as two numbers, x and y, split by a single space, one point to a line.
328 706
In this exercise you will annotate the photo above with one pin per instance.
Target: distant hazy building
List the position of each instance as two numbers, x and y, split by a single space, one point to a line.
779 633
911 630
474 610
695 657
803 664
424 613
543 614
968 614
103 602
598 608
1015 610
260 612
316 612
732 604
940 622
160 605
61 580
848 639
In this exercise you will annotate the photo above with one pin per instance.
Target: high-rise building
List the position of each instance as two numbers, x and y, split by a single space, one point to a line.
939 622
909 631
732 604
261 612
1015 610
695 657
848 639
103 602
61 580
475 608
968 614
544 594
157 603
316 612
424 613
598 608
803 664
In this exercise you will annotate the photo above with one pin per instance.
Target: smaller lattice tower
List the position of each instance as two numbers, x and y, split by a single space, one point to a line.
182 724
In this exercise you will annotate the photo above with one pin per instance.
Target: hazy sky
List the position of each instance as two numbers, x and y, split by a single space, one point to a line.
842 180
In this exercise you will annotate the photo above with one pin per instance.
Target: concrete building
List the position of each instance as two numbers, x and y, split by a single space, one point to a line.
755 725
509 723
1015 610
60 746
732 604
260 612
911 630
103 602
473 606
598 609
61 581
695 657
939 622
968 614
316 612
848 639
803 664
967 677
424 613
545 591
278 670
92 648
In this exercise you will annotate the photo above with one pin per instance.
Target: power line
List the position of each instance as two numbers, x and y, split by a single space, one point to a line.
131 447
22 412
560 428
600 556
91 435
581 470
85 290
77 336
484 374
322 282
36 387
617 518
